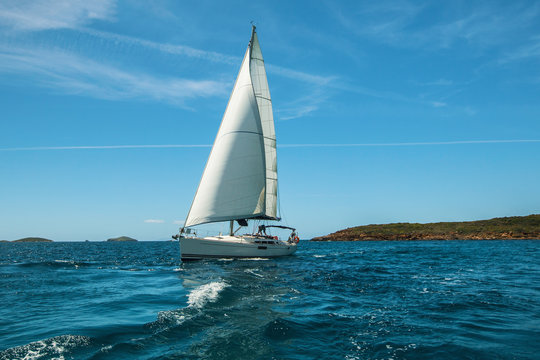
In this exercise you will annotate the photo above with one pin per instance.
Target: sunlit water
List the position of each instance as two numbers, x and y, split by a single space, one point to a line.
363 300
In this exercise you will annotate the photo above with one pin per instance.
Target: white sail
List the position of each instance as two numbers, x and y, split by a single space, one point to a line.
264 102
237 182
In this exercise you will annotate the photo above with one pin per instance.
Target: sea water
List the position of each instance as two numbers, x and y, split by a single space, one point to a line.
340 300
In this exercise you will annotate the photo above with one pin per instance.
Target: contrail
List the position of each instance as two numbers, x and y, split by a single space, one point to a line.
98 147
414 143
94 147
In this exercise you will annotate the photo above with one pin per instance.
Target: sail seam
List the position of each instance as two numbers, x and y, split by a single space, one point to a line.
248 132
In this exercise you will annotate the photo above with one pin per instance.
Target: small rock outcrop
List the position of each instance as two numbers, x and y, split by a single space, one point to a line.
33 239
122 238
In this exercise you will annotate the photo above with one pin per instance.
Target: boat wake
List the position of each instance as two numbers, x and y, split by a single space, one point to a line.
71 346
198 297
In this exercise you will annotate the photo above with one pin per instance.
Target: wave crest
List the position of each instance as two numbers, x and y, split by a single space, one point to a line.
56 347
204 294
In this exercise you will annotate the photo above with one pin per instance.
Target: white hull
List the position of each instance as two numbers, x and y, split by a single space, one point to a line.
233 247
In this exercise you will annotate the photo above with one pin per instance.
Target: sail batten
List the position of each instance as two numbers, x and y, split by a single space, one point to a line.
240 177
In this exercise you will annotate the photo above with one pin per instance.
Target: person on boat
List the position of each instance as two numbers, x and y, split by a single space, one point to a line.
291 237
262 231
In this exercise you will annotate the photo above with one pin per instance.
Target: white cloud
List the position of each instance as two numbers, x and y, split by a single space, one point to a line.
299 109
77 75
154 221
178 222
470 111
173 49
439 82
397 23
525 52
298 75
73 74
438 104
176 49
297 112
33 15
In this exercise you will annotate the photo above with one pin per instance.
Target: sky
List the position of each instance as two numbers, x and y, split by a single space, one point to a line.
386 111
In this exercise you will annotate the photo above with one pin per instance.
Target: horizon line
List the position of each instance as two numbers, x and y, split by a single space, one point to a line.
170 146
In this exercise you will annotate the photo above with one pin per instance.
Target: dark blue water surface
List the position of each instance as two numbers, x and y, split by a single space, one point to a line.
358 300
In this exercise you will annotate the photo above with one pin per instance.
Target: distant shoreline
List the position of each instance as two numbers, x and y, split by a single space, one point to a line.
40 239
29 239
505 228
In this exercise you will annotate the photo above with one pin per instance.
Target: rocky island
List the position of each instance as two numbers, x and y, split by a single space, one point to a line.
514 227
122 238
33 239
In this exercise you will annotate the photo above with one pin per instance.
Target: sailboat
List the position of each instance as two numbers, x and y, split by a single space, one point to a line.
239 182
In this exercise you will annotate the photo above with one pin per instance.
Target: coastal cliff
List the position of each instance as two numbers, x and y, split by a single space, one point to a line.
514 227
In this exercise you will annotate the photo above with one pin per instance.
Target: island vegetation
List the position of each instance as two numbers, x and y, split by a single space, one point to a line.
122 238
514 227
33 239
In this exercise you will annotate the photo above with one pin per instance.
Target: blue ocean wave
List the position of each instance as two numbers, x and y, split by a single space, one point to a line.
377 300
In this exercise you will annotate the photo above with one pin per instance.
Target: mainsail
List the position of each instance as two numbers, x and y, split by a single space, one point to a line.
240 178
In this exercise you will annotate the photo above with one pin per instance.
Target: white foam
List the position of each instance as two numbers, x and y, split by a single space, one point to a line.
106 348
319 256
175 316
53 348
203 294
249 271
